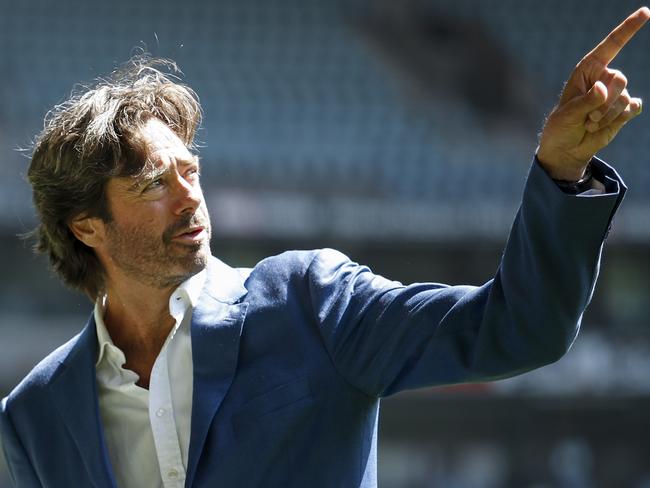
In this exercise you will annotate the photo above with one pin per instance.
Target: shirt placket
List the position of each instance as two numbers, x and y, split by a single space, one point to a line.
163 426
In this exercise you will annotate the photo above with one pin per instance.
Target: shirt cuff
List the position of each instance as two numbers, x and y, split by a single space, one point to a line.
597 188
600 182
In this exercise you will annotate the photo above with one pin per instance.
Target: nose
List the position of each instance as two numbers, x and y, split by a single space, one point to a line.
188 196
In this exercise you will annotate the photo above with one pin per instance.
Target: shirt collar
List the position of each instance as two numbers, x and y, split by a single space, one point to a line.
103 338
224 283
185 296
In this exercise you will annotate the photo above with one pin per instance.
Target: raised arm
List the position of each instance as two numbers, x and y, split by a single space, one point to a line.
385 337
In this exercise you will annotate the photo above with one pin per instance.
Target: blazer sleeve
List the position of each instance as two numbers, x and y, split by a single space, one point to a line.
21 472
384 337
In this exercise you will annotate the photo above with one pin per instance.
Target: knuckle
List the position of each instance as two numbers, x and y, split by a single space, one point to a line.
625 99
619 78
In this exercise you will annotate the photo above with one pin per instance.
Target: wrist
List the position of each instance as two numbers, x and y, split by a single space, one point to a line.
562 168
575 187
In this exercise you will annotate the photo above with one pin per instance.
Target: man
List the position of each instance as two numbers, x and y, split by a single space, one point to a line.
192 373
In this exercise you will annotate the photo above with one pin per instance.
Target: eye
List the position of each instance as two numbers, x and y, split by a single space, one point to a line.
192 174
157 183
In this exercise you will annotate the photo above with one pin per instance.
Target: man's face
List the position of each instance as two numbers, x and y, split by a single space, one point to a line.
160 229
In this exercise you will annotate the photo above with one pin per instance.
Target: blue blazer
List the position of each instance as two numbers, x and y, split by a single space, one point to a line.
291 357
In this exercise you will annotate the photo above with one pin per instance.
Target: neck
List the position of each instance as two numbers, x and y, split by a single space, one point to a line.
137 319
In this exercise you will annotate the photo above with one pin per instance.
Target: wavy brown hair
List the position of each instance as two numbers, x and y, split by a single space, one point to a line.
90 138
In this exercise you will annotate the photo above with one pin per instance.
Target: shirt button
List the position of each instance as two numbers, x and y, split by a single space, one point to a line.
172 474
160 413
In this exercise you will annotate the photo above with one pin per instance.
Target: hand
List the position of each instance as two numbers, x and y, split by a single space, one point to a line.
593 107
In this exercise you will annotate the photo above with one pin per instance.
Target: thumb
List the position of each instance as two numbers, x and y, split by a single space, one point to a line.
576 109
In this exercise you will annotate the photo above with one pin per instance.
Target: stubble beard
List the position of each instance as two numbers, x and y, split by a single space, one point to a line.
159 261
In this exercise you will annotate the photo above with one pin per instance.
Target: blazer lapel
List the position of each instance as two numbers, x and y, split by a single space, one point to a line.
217 322
75 395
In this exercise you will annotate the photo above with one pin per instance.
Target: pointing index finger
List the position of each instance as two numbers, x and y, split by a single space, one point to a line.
609 47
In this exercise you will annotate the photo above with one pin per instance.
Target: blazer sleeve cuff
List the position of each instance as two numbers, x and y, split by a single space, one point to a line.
590 210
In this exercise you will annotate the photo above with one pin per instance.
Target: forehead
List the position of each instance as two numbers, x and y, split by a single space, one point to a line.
160 141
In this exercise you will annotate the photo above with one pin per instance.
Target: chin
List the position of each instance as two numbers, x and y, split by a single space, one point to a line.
195 264
180 268
181 274
200 260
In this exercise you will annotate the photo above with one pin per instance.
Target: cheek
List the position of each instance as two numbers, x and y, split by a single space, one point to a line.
142 215
135 232
203 208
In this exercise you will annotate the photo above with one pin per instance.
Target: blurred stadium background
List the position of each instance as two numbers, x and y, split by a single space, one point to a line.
400 133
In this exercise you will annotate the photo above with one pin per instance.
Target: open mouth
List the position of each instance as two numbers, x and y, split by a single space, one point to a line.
192 235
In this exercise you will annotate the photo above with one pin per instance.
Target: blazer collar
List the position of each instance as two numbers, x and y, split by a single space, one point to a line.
217 323
74 393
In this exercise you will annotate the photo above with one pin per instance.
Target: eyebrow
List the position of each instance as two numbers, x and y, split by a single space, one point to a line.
146 178
194 159
155 173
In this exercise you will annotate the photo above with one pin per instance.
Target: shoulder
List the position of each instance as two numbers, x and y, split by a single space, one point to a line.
297 263
321 273
297 260
292 271
43 374
275 274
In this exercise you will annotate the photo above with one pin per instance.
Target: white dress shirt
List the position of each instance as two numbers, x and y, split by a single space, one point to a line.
147 432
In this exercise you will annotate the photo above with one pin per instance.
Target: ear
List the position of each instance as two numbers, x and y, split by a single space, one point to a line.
89 230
